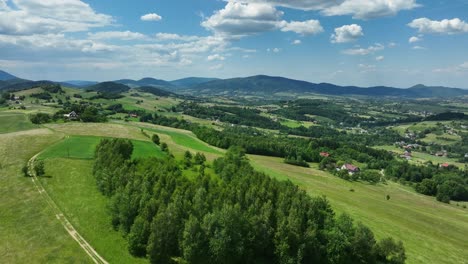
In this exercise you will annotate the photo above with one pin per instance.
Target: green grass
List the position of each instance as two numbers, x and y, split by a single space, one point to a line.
12 122
432 232
82 147
29 230
73 188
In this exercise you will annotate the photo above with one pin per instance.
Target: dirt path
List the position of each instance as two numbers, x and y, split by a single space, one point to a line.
61 217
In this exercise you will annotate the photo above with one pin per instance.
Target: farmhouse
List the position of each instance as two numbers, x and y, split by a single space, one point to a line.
324 154
350 168
444 165
72 115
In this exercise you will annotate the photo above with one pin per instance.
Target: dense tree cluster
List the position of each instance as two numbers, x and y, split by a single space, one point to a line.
52 88
232 115
40 118
239 216
446 183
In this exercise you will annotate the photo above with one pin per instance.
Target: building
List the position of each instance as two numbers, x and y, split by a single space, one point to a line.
324 154
72 115
444 165
350 168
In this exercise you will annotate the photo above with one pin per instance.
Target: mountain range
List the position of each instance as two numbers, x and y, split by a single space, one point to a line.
259 85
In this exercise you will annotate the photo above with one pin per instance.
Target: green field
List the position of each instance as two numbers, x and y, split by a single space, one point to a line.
29 229
12 122
82 147
432 232
71 185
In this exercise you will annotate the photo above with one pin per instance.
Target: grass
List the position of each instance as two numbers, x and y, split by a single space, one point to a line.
82 147
432 232
29 229
73 188
13 122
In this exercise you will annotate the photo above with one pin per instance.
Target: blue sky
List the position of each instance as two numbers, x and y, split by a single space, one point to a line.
348 42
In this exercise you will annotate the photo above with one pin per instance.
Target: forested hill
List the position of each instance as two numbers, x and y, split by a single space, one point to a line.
109 87
268 85
236 216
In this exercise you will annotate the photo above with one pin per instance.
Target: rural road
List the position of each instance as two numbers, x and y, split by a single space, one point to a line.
62 218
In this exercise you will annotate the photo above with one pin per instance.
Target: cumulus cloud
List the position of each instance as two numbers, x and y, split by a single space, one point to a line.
151 17
119 35
274 50
347 33
445 26
49 17
243 19
296 42
308 27
379 58
215 57
360 9
368 9
464 65
240 19
364 51
414 39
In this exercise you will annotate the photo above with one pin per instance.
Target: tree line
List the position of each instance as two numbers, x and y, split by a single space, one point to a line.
237 215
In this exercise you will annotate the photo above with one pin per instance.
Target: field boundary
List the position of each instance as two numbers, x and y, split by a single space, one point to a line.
92 253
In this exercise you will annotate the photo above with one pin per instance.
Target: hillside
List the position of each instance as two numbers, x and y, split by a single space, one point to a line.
6 76
155 91
269 86
109 87
191 81
19 84
144 82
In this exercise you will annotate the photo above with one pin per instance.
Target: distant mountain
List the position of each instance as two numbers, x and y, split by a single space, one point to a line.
270 86
191 81
109 87
4 76
145 82
78 83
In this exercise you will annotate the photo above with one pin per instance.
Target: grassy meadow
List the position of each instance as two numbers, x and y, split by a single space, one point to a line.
29 229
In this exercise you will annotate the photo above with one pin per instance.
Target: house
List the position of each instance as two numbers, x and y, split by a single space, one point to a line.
444 165
407 155
441 153
134 115
72 115
350 168
324 154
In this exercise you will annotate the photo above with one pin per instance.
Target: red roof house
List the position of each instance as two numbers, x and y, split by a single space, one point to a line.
325 154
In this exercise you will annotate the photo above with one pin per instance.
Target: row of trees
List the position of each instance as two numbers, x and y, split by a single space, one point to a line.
235 216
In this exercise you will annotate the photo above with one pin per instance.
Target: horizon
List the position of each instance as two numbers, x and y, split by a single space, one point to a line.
347 43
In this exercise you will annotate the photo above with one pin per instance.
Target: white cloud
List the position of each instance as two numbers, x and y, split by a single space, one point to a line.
364 51
151 17
296 42
347 33
239 19
120 35
242 19
379 58
368 9
176 37
274 50
392 45
460 69
365 68
308 27
217 67
361 9
418 48
414 39
464 65
214 57
49 17
445 26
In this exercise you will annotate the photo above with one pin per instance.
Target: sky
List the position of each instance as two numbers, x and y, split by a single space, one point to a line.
397 43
